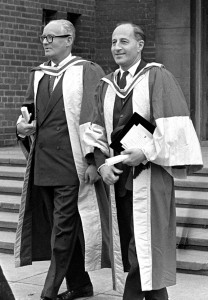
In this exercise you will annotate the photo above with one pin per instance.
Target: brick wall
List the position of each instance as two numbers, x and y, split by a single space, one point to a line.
21 25
111 12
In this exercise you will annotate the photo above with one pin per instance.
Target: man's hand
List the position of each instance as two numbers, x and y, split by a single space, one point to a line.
24 128
91 175
136 156
110 174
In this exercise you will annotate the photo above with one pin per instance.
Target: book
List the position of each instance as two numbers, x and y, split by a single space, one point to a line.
28 113
135 133
25 114
31 110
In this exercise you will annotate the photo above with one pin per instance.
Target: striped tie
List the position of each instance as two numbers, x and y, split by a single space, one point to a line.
51 83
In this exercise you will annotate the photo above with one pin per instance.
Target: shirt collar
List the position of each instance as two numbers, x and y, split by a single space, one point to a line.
63 62
131 70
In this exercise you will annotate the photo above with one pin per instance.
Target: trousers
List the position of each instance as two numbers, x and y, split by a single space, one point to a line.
67 260
132 290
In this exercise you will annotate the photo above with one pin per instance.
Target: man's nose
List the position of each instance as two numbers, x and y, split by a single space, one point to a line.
45 41
117 46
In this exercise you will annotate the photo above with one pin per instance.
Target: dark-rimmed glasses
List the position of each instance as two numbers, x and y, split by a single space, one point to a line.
49 37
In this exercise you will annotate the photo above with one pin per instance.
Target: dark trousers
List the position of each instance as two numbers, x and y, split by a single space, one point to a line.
132 290
124 213
66 253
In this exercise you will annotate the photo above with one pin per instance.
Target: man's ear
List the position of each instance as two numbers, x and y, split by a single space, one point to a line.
69 41
140 45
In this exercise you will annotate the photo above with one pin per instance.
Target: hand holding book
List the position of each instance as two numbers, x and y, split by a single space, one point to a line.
135 134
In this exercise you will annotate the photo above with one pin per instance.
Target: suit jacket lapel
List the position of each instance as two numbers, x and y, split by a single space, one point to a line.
55 97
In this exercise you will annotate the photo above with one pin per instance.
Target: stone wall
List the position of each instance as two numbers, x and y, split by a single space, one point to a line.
173 40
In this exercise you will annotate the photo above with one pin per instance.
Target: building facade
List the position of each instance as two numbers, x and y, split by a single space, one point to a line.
177 36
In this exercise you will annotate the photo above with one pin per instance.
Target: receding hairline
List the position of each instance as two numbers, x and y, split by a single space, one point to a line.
138 31
67 26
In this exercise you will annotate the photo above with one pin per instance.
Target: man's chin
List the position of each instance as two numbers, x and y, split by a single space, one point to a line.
119 62
48 54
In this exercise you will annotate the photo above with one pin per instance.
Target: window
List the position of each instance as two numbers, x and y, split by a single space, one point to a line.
73 18
48 15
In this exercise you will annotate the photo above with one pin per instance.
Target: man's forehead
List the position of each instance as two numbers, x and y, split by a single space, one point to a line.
53 28
124 30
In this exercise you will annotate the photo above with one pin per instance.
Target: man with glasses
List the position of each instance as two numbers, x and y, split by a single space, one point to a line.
58 178
142 187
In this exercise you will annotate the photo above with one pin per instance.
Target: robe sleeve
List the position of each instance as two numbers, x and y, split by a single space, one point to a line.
175 144
95 135
92 73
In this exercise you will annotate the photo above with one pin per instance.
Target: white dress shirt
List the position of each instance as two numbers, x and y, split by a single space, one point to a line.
131 70
63 62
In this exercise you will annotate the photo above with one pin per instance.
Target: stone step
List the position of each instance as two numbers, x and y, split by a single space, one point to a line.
192 261
192 182
192 216
191 198
187 260
15 161
183 198
8 220
11 186
12 156
7 240
9 202
12 171
194 236
203 172
189 236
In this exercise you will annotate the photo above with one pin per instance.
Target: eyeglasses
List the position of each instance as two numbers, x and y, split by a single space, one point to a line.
49 38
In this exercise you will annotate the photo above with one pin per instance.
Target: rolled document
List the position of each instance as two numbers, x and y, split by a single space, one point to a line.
116 159
25 113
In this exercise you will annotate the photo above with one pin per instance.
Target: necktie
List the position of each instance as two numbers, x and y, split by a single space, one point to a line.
51 83
122 84
122 81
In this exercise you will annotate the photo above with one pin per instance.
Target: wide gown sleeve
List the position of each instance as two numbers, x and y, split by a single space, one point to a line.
95 134
175 143
92 73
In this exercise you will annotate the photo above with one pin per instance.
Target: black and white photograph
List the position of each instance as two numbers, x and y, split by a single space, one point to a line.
104 149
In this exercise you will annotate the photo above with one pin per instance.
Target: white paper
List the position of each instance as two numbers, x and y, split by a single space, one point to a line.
136 137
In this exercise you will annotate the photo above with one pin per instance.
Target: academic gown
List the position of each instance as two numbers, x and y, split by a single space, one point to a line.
33 230
174 151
